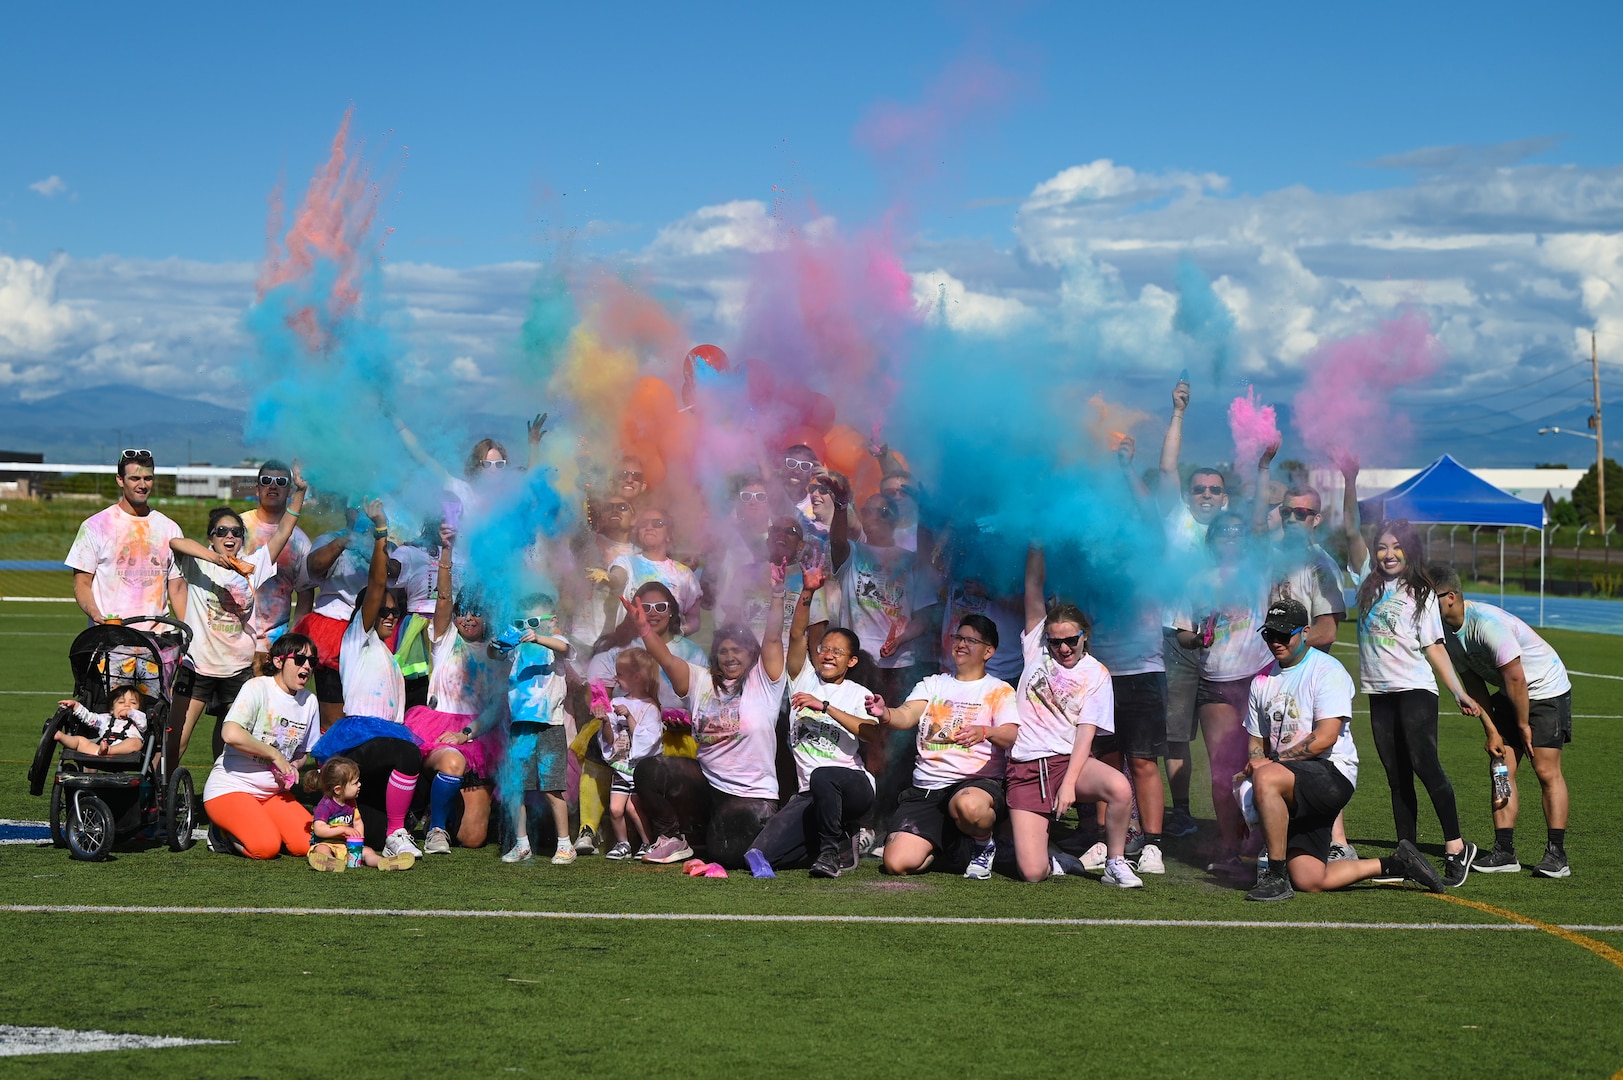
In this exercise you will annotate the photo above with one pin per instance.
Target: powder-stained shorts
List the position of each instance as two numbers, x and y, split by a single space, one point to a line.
923 813
1321 793
1183 676
540 752
1033 785
1550 719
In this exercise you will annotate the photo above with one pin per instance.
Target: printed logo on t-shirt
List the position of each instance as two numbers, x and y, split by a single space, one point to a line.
1049 690
814 733
717 720
944 719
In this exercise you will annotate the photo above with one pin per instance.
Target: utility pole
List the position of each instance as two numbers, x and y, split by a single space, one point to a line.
1600 440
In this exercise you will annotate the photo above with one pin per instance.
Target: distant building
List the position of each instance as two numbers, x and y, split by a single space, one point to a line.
19 484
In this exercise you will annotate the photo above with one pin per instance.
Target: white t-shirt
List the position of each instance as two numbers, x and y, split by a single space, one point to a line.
624 745
273 600
601 667
1391 638
881 591
1491 637
288 722
219 608
1291 700
1005 663
951 705
1054 700
345 579
1238 607
129 559
737 735
373 685
815 738
588 617
464 679
681 580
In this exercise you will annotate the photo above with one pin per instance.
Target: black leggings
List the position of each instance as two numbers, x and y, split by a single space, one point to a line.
1404 726
679 801
820 818
378 758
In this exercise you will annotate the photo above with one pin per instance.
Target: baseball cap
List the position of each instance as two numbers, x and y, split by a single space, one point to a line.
1285 617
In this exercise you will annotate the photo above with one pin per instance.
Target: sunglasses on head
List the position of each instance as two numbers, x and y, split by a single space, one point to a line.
1207 489
1069 642
228 530
499 463
142 454
631 474
1300 513
796 465
274 481
660 606
534 622
302 659
752 496
1279 637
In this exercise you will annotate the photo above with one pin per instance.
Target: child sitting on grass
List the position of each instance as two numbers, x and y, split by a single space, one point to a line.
337 819
631 731
119 730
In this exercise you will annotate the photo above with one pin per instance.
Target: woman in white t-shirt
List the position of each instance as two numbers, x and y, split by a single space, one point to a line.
652 562
267 733
828 717
1400 647
220 588
732 786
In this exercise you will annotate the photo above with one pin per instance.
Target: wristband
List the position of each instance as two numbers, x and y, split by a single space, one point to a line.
291 513
380 532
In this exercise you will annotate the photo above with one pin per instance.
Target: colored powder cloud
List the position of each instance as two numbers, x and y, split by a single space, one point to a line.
1254 428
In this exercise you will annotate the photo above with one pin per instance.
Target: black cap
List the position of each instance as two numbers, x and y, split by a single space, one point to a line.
1285 617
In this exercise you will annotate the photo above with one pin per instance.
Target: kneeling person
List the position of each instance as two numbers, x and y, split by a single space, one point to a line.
1304 767
966 722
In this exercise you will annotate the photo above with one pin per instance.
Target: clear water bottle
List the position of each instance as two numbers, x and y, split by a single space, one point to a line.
1501 783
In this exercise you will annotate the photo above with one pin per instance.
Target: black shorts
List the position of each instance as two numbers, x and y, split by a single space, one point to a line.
329 687
1550 719
216 692
1141 714
923 813
1321 793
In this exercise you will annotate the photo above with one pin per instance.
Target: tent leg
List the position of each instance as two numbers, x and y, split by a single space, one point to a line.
1501 568
1541 578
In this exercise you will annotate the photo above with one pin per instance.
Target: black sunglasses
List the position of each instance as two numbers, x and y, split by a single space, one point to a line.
388 613
652 523
631 474
619 507
229 530
1069 642
302 659
1207 489
1300 513
1278 637
274 481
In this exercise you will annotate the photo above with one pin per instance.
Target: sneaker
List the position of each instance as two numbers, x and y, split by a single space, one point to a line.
866 840
437 842
586 844
218 843
1338 852
1120 875
564 855
1150 862
1231 866
1554 863
1456 868
400 840
1094 857
1135 843
849 853
328 858
1064 864
980 867
619 851
642 852
1497 861
402 861
1273 885
668 849
1416 867
519 852
758 863
1180 822
827 864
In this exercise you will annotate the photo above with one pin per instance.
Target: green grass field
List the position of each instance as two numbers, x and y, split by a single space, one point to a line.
363 995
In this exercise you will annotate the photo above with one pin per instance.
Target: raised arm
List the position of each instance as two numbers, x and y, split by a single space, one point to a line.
445 600
415 449
377 575
771 660
1259 505
290 516
1170 489
535 430
1357 548
674 667
811 579
1036 577
321 559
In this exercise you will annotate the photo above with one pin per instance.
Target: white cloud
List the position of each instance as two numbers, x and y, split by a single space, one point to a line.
940 293
50 186
740 226
32 320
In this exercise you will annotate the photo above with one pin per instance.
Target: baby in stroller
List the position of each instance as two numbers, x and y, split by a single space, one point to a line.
120 730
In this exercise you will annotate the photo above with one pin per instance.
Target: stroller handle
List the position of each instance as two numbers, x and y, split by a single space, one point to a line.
166 621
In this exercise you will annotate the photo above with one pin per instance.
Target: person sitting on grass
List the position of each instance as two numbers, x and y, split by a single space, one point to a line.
1303 767
336 818
119 730
966 723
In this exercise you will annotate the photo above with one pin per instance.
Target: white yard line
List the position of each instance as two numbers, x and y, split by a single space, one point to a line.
18 1041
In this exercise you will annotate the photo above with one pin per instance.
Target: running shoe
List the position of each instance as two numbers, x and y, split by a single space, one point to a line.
217 842
587 843
849 852
1273 885
564 855
400 840
619 851
1338 852
758 863
437 842
1497 861
1416 867
519 852
1150 861
1064 864
1094 857
866 841
1120 875
1180 822
828 864
980 867
402 861
1230 866
328 858
1135 842
668 849
642 852
1554 863
1456 868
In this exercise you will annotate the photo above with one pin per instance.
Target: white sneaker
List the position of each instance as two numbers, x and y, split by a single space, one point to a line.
400 842
564 855
586 843
437 842
980 867
519 852
1149 860
1094 857
1119 874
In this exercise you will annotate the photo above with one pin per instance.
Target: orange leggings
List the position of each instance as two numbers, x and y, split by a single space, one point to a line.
264 826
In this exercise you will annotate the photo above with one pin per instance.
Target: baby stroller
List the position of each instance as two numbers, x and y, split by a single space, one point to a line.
96 799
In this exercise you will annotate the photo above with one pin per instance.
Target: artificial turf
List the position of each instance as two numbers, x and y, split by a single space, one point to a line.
388 995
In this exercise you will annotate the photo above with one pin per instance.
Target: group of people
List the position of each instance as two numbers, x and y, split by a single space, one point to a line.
809 681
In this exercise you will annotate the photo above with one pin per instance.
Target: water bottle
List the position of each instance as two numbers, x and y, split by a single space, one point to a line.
1501 783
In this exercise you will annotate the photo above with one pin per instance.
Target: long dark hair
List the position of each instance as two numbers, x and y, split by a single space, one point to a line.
1414 576
625 632
739 634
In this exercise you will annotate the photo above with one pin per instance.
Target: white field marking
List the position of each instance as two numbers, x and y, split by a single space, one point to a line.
1575 716
18 1041
33 633
36 600
1592 675
37 693
673 916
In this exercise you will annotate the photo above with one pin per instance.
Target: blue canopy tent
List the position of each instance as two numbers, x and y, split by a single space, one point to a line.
1447 493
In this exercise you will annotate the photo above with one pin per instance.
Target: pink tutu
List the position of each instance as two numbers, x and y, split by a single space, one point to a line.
429 724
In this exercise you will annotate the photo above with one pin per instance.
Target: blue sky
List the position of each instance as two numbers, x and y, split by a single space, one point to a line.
1322 164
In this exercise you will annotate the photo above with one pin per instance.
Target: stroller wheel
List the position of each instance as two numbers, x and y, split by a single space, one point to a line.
40 769
59 838
90 827
179 811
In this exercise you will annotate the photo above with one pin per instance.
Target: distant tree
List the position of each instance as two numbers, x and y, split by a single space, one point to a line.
1586 496
1551 465
1563 513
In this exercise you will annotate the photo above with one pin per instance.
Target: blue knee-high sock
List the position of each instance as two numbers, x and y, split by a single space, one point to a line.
439 798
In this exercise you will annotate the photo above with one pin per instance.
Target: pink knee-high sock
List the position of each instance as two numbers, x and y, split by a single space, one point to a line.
398 801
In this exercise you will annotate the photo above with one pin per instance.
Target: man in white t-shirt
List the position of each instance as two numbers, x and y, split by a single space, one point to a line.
1529 716
277 602
121 562
886 595
1303 767
965 723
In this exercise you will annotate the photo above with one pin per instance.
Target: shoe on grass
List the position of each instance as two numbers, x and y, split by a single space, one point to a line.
1416 867
849 852
642 852
1554 863
327 858
1094 857
1273 885
980 867
437 842
828 864
1120 875
1457 867
1150 861
1063 863
1231 866
1497 861
668 849
586 843
1339 852
619 851
403 861
564 855
519 852
758 864
1180 822
400 840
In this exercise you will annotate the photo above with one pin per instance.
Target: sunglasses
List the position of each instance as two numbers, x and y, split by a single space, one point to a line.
962 640
752 496
274 481
618 507
534 622
1279 637
500 463
1300 513
883 511
652 523
228 530
796 465
302 659
660 606
631 474
1229 532
142 454
1069 642
389 613
1207 489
